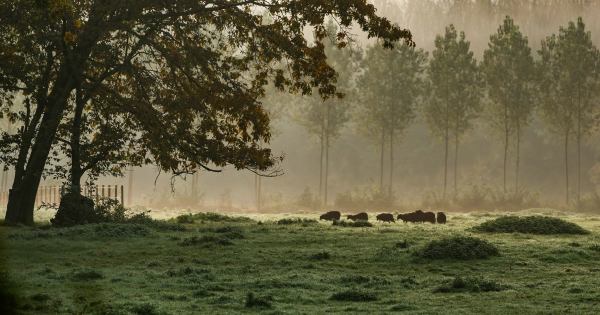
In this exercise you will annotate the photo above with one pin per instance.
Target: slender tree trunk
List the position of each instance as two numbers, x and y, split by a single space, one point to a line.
321 164
391 161
456 165
579 135
506 136
381 160
130 188
567 168
327 133
518 157
446 144
326 180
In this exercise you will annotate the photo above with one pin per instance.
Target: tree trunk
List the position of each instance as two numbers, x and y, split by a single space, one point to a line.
321 163
326 180
130 188
327 133
390 190
456 164
506 135
579 135
567 168
446 142
76 169
381 161
518 157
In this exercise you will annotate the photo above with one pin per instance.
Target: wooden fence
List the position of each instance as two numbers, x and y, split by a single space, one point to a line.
52 194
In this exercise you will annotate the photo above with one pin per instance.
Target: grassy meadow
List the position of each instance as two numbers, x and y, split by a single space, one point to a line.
213 264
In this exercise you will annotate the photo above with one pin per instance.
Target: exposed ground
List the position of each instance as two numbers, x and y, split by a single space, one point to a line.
224 266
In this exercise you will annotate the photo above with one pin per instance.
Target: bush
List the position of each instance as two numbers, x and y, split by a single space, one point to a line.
253 301
458 247
531 225
352 223
301 221
210 217
354 296
75 209
460 284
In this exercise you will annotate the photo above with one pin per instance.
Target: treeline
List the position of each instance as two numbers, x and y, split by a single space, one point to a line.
451 91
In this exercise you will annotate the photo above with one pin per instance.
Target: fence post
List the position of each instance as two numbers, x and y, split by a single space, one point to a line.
122 204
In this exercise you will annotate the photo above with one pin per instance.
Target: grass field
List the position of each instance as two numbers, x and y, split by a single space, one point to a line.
221 265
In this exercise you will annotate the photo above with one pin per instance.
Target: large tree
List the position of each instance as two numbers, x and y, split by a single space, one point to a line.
389 88
569 87
509 72
190 73
455 92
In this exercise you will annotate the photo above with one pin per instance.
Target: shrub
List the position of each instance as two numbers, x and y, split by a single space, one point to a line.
301 221
185 219
354 296
353 223
210 217
86 275
145 309
469 284
253 301
531 225
458 247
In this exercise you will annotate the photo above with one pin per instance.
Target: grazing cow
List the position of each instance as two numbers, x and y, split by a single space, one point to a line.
363 216
441 218
331 216
417 216
385 217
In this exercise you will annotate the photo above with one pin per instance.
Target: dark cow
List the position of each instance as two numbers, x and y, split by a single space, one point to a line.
417 216
363 216
385 217
331 216
441 218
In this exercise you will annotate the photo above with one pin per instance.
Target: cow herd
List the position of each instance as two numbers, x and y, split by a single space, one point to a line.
413 217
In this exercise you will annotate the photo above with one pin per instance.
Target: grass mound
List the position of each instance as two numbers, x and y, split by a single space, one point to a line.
300 221
353 223
354 296
87 275
469 284
531 225
458 247
253 301
209 217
